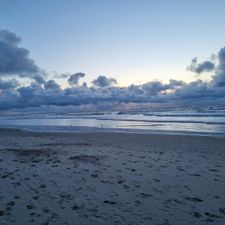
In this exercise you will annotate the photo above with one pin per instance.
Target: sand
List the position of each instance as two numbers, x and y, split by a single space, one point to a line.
111 178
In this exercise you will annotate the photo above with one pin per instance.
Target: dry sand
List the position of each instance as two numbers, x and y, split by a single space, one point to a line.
111 178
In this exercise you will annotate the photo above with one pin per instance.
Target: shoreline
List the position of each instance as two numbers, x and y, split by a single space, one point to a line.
83 130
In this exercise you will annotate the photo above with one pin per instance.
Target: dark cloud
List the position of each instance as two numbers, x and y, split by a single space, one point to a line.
154 88
9 37
219 77
15 60
176 83
103 81
199 68
50 94
194 90
39 78
51 84
7 84
74 78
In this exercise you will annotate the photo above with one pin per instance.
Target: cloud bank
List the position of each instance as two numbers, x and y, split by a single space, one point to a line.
42 91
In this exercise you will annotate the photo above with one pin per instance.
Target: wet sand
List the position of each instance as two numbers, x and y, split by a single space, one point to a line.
111 178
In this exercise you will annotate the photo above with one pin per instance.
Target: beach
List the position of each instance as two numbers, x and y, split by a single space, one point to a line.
109 178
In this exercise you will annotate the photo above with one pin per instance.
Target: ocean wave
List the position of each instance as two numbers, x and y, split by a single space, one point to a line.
164 121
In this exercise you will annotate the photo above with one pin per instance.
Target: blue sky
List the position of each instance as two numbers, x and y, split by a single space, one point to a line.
132 40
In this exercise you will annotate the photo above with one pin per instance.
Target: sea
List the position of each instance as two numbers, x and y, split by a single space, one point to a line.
191 120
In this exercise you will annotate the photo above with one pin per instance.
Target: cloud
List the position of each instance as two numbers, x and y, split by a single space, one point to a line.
103 81
41 92
9 37
50 94
199 68
8 84
60 75
15 60
195 90
176 83
74 78
154 88
219 77
51 84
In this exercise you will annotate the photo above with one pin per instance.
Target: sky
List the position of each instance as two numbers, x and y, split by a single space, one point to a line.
124 44
132 40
